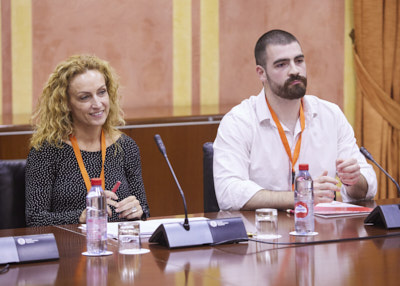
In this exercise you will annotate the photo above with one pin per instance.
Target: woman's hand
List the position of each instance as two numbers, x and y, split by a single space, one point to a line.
111 201
128 208
110 198
82 218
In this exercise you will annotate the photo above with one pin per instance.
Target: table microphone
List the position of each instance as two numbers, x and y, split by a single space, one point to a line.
388 215
163 151
199 232
369 157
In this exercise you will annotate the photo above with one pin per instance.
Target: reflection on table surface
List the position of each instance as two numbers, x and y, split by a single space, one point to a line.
352 262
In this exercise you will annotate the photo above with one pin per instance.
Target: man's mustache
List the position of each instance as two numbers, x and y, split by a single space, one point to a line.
296 77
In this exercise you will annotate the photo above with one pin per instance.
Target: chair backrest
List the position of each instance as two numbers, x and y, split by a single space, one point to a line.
210 200
12 193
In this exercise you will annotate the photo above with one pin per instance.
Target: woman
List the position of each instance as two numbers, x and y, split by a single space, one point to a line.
76 118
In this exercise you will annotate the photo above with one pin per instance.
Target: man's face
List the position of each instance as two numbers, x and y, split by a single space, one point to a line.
286 71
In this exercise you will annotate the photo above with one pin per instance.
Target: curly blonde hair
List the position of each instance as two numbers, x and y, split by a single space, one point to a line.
52 118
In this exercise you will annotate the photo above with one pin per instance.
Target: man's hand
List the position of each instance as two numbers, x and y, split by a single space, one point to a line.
324 188
348 171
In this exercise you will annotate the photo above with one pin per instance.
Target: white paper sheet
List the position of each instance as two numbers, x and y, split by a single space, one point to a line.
146 227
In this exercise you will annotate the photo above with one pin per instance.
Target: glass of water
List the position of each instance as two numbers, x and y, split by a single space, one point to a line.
267 223
129 237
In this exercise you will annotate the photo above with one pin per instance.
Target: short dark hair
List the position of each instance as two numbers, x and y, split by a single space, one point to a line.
273 37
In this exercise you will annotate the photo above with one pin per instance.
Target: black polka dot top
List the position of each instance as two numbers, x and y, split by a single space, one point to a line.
55 190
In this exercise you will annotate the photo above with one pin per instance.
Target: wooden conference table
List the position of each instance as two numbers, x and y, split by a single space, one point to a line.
374 261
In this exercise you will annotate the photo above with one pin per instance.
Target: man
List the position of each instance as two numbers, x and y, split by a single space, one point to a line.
261 141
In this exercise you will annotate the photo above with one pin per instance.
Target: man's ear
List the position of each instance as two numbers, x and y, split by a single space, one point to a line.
262 75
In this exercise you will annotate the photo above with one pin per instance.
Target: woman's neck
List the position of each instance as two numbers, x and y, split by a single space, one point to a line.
88 140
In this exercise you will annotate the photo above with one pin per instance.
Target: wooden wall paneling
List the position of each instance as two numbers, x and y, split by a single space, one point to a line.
14 146
184 146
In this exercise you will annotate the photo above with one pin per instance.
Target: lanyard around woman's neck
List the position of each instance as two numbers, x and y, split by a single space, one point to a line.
284 140
78 156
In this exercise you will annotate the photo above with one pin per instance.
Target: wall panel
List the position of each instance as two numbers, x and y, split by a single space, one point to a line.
174 57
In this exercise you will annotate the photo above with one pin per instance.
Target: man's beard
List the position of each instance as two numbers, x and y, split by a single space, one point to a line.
289 91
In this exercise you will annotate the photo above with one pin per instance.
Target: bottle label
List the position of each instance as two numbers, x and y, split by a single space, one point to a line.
300 210
96 228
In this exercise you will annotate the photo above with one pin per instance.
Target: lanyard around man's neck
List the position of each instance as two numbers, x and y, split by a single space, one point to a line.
284 140
78 156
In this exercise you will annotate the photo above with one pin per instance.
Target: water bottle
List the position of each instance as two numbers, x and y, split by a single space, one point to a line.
96 219
303 201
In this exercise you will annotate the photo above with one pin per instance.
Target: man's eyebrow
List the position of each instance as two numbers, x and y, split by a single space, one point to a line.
287 59
280 61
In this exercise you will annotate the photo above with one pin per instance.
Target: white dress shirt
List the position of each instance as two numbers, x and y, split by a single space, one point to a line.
249 155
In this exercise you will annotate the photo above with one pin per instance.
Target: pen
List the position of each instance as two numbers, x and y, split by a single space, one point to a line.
340 180
250 234
116 186
289 211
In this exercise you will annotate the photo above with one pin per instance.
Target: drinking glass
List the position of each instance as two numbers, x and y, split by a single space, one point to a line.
267 223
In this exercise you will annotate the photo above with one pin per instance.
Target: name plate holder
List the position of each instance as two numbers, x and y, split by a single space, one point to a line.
385 215
26 248
201 232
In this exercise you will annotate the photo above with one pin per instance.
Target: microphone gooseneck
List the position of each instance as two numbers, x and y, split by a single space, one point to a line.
163 151
368 155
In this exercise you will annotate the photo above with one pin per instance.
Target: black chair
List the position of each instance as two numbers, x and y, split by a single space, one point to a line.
12 193
210 200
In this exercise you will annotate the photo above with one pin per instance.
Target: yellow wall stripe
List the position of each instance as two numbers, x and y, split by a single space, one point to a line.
349 88
182 57
209 53
1 67
21 60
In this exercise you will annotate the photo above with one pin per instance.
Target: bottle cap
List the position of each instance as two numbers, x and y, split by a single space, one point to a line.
95 181
303 167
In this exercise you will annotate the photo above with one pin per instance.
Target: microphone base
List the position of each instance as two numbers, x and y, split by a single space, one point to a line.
202 232
386 215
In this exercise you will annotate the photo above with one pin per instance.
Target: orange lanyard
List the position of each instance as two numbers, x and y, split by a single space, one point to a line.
284 140
78 156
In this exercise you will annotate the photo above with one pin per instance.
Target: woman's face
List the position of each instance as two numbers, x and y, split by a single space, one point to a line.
88 100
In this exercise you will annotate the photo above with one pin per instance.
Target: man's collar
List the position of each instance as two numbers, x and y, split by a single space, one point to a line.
310 107
263 113
262 110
